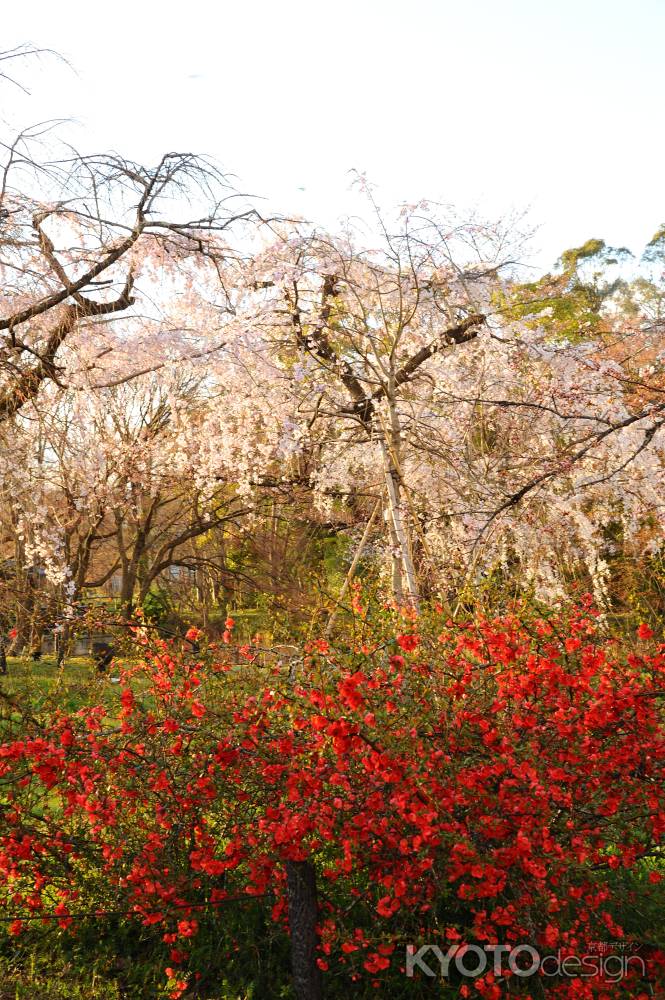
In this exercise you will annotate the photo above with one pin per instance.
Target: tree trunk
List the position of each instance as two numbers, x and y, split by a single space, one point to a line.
390 442
398 529
24 593
352 568
303 912
64 642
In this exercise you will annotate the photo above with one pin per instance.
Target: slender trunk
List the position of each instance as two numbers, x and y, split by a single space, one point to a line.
24 600
395 558
303 913
390 442
204 589
402 548
63 643
352 568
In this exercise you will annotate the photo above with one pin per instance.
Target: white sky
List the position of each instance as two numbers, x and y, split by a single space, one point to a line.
557 106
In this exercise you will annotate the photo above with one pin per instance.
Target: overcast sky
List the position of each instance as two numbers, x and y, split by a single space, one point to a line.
502 104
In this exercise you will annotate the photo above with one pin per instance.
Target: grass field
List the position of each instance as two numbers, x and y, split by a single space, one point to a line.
69 686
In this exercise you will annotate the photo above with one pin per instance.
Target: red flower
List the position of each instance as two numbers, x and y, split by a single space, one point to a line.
193 634
408 642
187 928
500 781
376 962
644 632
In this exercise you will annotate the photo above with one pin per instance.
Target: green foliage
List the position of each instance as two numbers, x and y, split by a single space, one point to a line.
156 605
568 303
655 249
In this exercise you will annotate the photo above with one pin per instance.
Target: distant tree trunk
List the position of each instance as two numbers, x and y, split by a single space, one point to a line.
352 568
131 556
24 593
63 643
303 913
402 559
128 583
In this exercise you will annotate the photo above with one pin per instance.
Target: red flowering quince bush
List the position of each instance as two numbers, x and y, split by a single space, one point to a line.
452 783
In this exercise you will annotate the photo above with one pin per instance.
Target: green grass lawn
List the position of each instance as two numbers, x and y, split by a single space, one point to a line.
75 683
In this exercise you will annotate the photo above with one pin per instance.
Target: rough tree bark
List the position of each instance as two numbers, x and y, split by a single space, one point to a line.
303 913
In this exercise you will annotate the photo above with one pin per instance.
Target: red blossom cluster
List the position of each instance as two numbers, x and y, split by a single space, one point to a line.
479 786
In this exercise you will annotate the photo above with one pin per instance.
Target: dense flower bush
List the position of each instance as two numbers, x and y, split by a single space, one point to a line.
452 783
